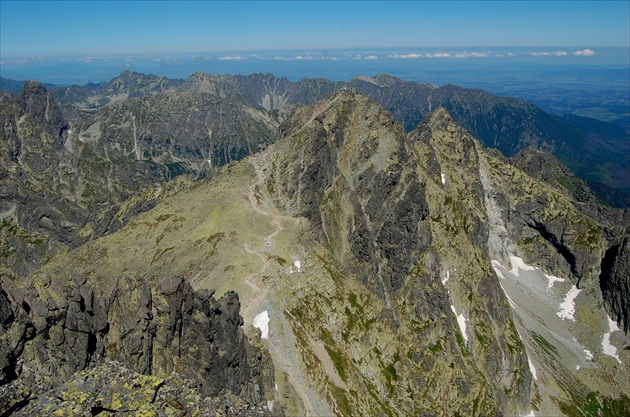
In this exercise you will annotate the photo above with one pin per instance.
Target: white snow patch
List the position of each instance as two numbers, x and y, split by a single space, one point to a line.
553 279
532 369
589 355
443 178
518 263
577 367
531 414
298 265
512 303
461 321
567 308
261 321
607 347
495 266
446 278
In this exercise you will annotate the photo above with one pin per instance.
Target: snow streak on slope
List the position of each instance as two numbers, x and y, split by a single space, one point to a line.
532 369
607 347
461 321
261 321
567 308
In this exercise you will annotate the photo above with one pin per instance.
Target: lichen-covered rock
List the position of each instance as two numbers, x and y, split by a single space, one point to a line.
55 329
112 389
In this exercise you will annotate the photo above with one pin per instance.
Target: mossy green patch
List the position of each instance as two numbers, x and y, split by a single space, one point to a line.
544 344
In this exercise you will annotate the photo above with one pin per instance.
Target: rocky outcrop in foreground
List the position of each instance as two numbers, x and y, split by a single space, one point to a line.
111 388
159 331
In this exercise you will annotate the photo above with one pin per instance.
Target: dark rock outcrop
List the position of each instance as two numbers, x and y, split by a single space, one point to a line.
53 330
614 282
352 185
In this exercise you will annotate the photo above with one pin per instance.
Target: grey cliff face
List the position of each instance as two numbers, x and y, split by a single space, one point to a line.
352 155
374 197
614 282
37 220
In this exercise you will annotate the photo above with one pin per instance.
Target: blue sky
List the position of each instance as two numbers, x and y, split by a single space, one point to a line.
66 42
57 28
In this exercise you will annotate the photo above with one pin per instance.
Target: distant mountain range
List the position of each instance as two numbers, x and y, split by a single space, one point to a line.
596 151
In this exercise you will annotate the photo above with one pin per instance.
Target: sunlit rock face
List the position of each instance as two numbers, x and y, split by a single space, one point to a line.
382 272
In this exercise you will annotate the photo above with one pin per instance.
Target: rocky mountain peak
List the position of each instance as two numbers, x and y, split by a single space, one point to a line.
201 82
543 165
440 116
346 93
33 88
382 80
445 135
132 77
42 110
34 98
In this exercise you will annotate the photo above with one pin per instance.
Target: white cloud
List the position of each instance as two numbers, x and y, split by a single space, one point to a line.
330 58
371 57
231 58
511 54
294 58
406 56
443 55
471 55
584 52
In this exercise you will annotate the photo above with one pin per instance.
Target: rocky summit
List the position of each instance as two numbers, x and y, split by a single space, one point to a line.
349 267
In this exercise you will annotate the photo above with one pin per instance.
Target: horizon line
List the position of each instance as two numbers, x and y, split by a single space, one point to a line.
255 53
